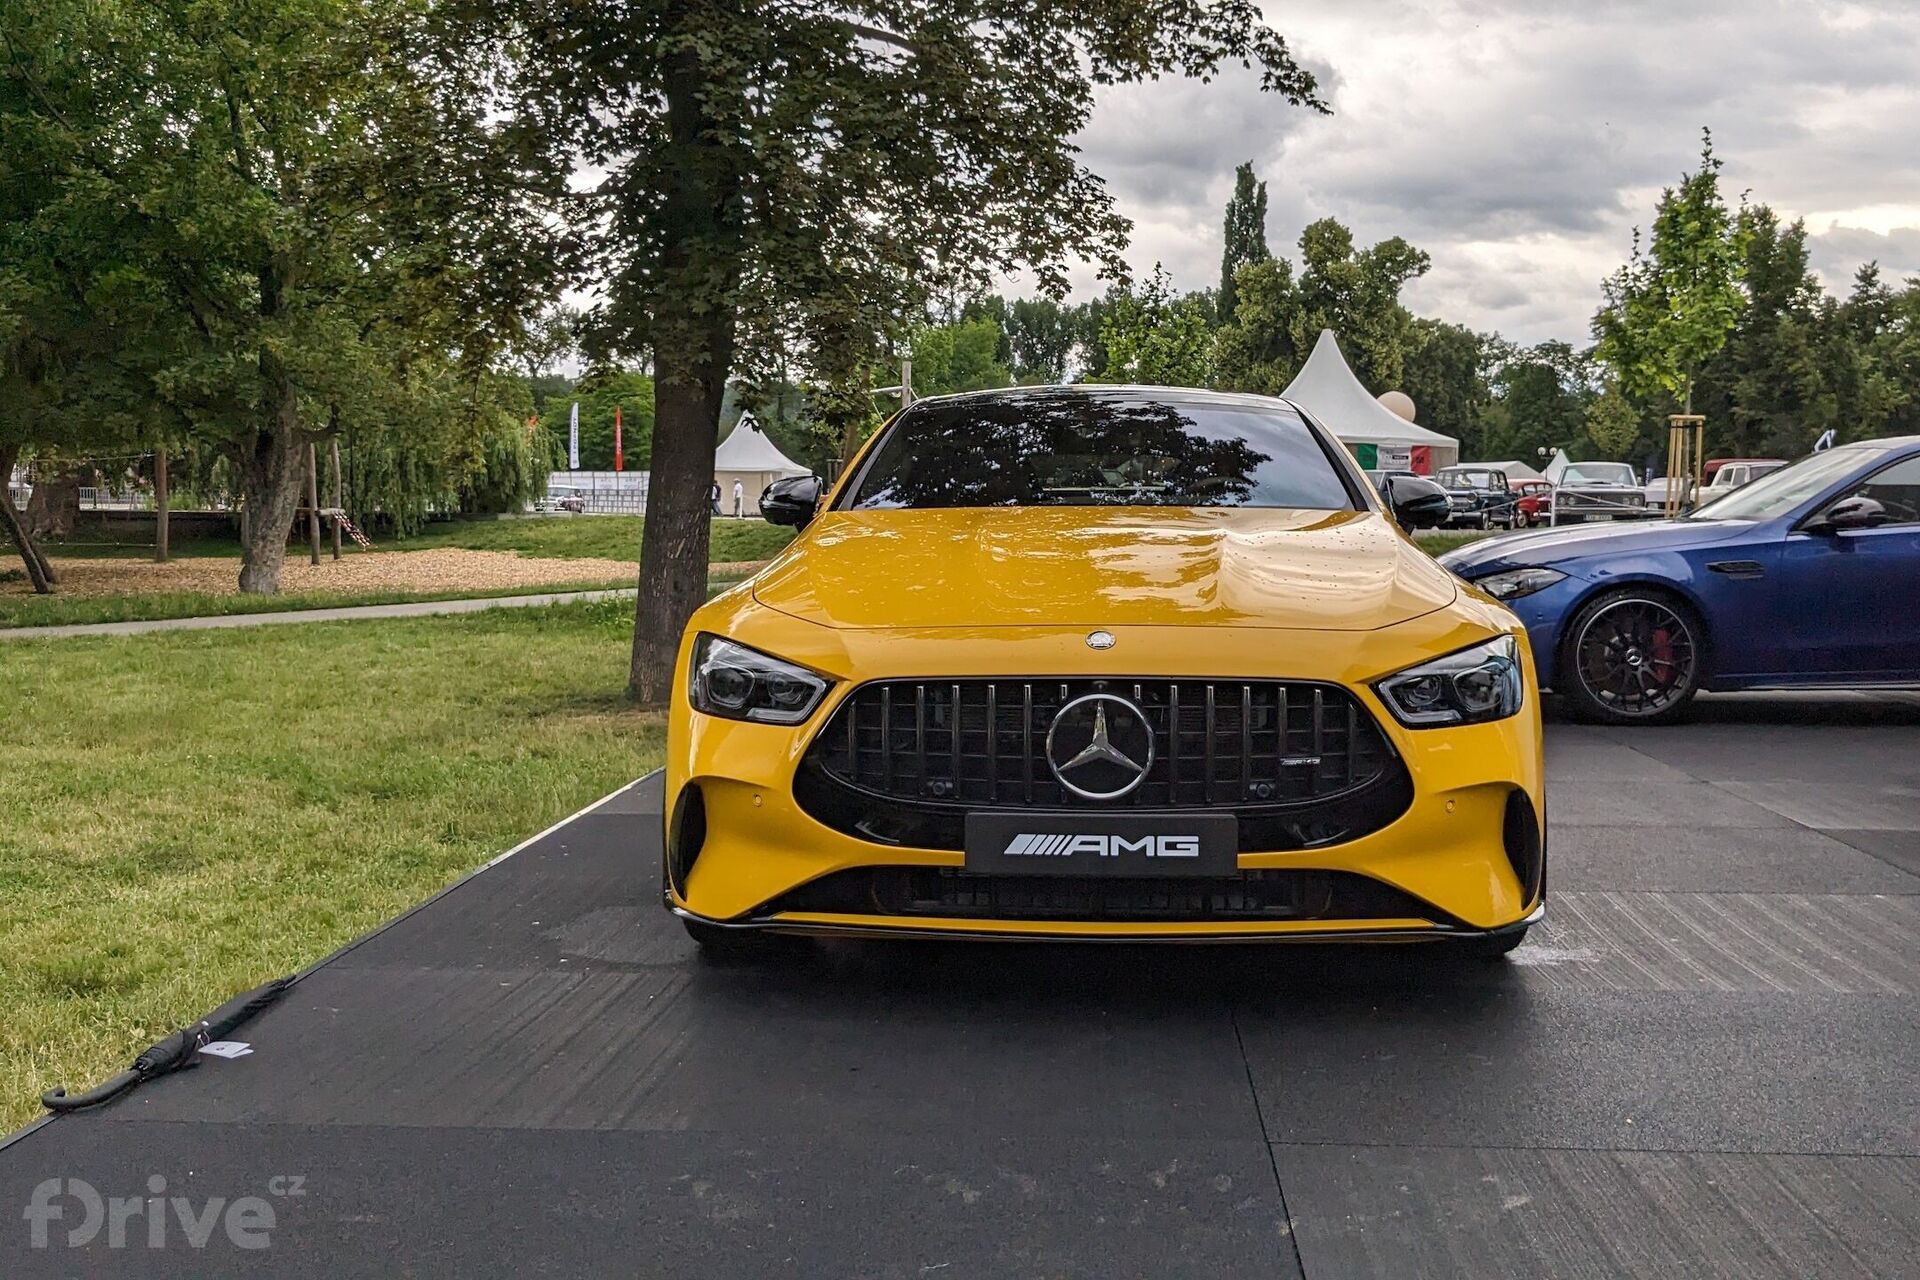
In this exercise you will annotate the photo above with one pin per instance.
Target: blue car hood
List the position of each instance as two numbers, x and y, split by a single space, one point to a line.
1552 546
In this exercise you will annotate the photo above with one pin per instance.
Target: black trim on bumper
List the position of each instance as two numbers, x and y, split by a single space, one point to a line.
1043 935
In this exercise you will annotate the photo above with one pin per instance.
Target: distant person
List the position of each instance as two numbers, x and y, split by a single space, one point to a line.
739 500
713 496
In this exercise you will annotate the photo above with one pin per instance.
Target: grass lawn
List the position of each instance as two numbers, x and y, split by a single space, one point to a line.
183 816
559 537
1436 541
59 610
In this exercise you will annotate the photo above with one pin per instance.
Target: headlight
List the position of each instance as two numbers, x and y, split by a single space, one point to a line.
1475 685
739 683
1515 583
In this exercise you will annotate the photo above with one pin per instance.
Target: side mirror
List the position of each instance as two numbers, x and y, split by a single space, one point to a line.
791 501
1848 513
1417 503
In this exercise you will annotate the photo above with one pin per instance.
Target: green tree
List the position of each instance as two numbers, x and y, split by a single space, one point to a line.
600 390
1255 350
1445 370
1040 339
1768 388
958 357
1155 338
816 173
1671 308
301 218
1613 424
1540 402
1355 292
1244 233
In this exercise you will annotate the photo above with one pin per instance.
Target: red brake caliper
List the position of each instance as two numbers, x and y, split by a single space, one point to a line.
1664 669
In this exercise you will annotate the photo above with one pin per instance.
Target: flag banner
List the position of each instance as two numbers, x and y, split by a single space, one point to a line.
619 458
573 438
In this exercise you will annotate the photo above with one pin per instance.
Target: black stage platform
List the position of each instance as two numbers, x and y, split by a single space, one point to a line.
1705 1063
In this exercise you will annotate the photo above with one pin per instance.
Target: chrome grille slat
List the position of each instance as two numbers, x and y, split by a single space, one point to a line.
976 743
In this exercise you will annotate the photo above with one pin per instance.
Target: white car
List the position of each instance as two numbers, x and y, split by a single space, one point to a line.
1658 488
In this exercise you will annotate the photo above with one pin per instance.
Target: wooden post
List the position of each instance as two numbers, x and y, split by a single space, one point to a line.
313 504
333 447
1686 460
160 503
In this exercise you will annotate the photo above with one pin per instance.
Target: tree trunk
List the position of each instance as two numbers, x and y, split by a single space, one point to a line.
39 572
160 503
673 541
54 509
691 300
271 463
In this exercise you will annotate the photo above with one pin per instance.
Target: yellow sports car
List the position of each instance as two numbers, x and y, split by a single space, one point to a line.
1104 663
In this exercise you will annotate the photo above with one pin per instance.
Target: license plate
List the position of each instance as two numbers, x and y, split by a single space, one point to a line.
1131 844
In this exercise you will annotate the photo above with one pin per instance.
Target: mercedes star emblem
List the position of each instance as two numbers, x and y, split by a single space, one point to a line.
1100 746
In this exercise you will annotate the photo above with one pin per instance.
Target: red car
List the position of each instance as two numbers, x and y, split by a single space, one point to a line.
1535 497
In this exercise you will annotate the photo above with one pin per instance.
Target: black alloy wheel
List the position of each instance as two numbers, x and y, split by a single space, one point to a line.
1632 656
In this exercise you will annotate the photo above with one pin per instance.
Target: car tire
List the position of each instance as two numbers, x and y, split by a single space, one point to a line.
1611 661
719 945
1494 946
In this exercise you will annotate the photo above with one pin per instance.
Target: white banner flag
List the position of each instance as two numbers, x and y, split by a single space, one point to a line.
573 437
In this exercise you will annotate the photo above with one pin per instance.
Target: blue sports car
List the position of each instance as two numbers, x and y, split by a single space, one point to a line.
1808 577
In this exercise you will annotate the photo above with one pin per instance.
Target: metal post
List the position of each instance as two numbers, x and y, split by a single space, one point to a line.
906 381
313 504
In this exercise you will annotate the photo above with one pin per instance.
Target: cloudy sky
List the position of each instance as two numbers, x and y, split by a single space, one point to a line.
1519 142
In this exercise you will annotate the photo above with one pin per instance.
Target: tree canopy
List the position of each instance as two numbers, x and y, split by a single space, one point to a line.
1243 232
797 180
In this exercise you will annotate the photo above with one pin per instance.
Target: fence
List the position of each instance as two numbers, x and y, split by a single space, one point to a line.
602 492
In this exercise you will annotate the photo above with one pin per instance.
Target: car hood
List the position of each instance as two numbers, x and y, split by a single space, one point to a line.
1104 567
1548 546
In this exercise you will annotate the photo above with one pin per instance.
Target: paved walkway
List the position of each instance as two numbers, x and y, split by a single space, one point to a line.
1701 1063
411 609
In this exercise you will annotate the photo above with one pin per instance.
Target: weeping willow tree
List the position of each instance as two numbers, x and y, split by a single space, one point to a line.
439 441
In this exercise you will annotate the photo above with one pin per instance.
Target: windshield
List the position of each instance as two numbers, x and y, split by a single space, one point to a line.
1467 479
1618 473
1089 448
1778 492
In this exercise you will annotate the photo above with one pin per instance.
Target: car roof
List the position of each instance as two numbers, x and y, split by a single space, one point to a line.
1114 391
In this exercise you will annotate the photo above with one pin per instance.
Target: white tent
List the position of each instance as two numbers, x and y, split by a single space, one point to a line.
1515 470
1326 388
748 456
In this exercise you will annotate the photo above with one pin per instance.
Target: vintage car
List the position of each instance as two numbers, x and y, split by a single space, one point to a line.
1724 475
1598 491
1481 497
1531 500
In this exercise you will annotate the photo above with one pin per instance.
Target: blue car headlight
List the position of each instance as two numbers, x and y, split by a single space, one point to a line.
1514 583
1469 687
739 683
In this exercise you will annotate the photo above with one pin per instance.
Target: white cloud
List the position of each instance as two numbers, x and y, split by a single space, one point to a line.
1520 141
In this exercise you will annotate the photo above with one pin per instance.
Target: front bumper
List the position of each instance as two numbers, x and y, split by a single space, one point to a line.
1447 852
1049 932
